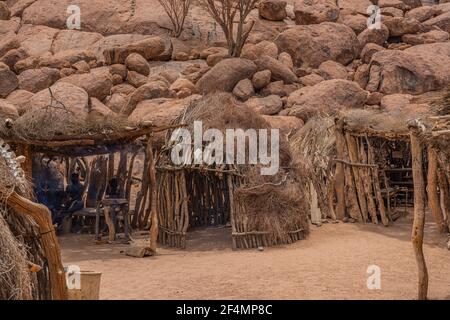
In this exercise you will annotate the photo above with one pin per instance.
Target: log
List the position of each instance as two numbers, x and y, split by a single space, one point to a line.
339 173
419 214
376 184
367 184
153 196
41 215
445 196
353 154
432 190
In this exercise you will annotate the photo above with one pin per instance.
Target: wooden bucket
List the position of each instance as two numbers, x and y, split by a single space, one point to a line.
89 288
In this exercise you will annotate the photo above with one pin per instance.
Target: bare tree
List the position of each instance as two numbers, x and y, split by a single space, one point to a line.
224 12
177 11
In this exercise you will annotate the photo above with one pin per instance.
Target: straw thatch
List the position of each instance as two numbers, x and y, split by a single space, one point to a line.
314 148
16 281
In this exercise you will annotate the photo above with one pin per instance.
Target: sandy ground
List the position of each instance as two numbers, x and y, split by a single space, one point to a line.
331 264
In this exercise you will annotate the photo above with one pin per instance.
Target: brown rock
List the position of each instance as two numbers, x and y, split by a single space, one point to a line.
286 59
261 79
116 102
391 12
34 80
254 51
278 70
244 89
118 69
123 88
286 124
328 97
8 42
422 14
442 21
332 70
74 98
74 40
377 36
215 58
20 98
5 12
415 70
315 11
97 83
269 105
7 26
225 75
136 79
13 56
136 62
81 67
7 110
274 10
183 87
432 36
399 26
36 40
8 81
357 22
149 48
369 50
313 44
278 88
362 75
151 90
311 79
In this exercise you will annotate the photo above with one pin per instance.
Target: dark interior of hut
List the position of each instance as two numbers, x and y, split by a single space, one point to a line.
210 200
393 158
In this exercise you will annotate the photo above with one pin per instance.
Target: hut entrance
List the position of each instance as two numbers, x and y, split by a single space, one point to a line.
394 160
191 199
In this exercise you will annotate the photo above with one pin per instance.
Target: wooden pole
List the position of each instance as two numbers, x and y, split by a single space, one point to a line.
41 215
154 197
419 213
432 190
339 173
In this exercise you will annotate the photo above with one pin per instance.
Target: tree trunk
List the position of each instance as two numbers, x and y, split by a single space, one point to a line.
419 214
153 196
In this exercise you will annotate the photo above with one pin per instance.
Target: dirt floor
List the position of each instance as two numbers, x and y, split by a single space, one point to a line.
331 264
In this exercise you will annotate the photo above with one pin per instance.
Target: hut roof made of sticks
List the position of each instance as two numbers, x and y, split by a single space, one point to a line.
392 121
68 124
277 201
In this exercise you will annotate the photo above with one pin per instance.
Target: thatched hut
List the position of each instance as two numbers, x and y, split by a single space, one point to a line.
262 210
359 161
80 136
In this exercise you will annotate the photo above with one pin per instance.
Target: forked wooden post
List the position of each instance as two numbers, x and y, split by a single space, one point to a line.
419 211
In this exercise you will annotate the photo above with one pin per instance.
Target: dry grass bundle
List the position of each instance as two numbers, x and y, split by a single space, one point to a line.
15 278
55 120
222 111
278 207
